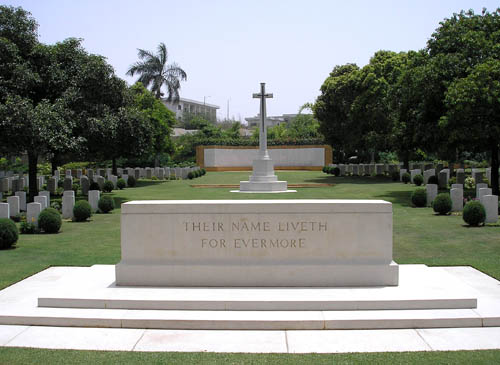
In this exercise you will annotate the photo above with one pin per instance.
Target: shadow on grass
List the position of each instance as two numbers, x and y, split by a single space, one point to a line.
142 183
350 179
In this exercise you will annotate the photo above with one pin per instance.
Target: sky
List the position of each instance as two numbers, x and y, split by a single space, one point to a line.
229 47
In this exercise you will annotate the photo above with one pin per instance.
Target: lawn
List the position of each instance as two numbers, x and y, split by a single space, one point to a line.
419 237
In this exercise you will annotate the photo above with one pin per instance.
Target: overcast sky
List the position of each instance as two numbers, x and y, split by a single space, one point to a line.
228 47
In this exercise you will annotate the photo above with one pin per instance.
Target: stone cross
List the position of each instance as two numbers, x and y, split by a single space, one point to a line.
263 153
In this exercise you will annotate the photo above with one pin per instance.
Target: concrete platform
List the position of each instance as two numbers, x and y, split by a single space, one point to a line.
316 330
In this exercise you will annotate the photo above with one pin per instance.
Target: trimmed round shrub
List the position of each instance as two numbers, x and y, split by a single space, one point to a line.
324 168
203 171
442 204
474 213
419 197
131 181
82 211
50 220
8 233
108 186
94 186
433 180
395 175
406 178
154 178
190 175
106 204
121 184
418 179
336 171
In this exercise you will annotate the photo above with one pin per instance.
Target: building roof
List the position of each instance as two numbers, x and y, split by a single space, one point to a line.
184 100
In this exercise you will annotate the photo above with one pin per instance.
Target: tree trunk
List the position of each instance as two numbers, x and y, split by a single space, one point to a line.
406 161
494 168
115 171
32 170
54 165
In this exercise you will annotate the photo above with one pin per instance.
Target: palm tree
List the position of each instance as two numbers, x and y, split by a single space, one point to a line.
155 71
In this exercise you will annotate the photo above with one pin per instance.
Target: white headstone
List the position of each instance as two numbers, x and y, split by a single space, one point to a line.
483 192
161 173
32 213
457 186
457 199
46 194
480 186
42 200
113 179
68 203
490 203
428 174
414 173
4 210
22 200
432 190
94 196
401 173
14 203
149 173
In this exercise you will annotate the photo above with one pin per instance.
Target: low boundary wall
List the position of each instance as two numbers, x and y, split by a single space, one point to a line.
239 158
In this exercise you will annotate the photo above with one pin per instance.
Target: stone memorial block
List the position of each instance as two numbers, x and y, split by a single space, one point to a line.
149 173
161 174
428 174
32 212
137 173
90 174
460 177
488 174
68 202
125 177
84 184
443 179
480 186
131 172
355 170
52 185
155 171
57 174
4 210
94 196
4 185
439 167
46 194
15 185
379 169
109 172
478 176
100 181
22 199
257 243
414 173
79 173
68 183
42 200
167 173
114 180
68 173
371 169
457 186
490 203
14 205
119 171
143 172
457 199
184 172
483 192
401 173
101 172
432 191
40 182
341 168
178 173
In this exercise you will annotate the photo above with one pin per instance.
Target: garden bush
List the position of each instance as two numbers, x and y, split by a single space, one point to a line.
94 186
82 211
106 204
121 184
406 178
190 175
8 233
108 186
395 175
470 183
419 197
418 179
203 171
56 205
474 213
28 228
433 180
442 204
50 220
131 181
336 171
154 178
324 168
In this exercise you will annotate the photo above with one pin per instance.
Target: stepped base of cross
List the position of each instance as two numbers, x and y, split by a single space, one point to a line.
263 179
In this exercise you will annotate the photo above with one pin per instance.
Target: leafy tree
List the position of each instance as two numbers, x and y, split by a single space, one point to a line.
473 116
154 70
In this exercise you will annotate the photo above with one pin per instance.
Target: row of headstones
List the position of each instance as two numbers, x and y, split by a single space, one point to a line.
365 169
483 194
42 201
444 175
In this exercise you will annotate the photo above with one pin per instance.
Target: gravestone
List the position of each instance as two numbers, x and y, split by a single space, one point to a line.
379 169
478 177
68 173
15 185
4 210
439 167
57 174
161 174
4 185
185 172
480 186
137 173
101 172
32 213
94 196
68 183
113 179
483 192
432 190
457 199
42 200
428 174
355 170
457 186
257 243
460 176
100 182
149 173
490 203
14 205
68 203
488 174
401 173
46 194
41 181
22 200
371 169
125 177
90 174
119 171
167 173
52 185
366 169
414 173
178 173
79 173
84 184
443 179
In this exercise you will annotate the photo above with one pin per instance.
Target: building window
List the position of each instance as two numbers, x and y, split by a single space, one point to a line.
179 107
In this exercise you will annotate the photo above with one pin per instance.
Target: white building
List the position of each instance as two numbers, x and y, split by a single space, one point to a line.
193 107
271 121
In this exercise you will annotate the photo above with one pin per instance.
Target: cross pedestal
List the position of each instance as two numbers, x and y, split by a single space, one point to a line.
263 178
